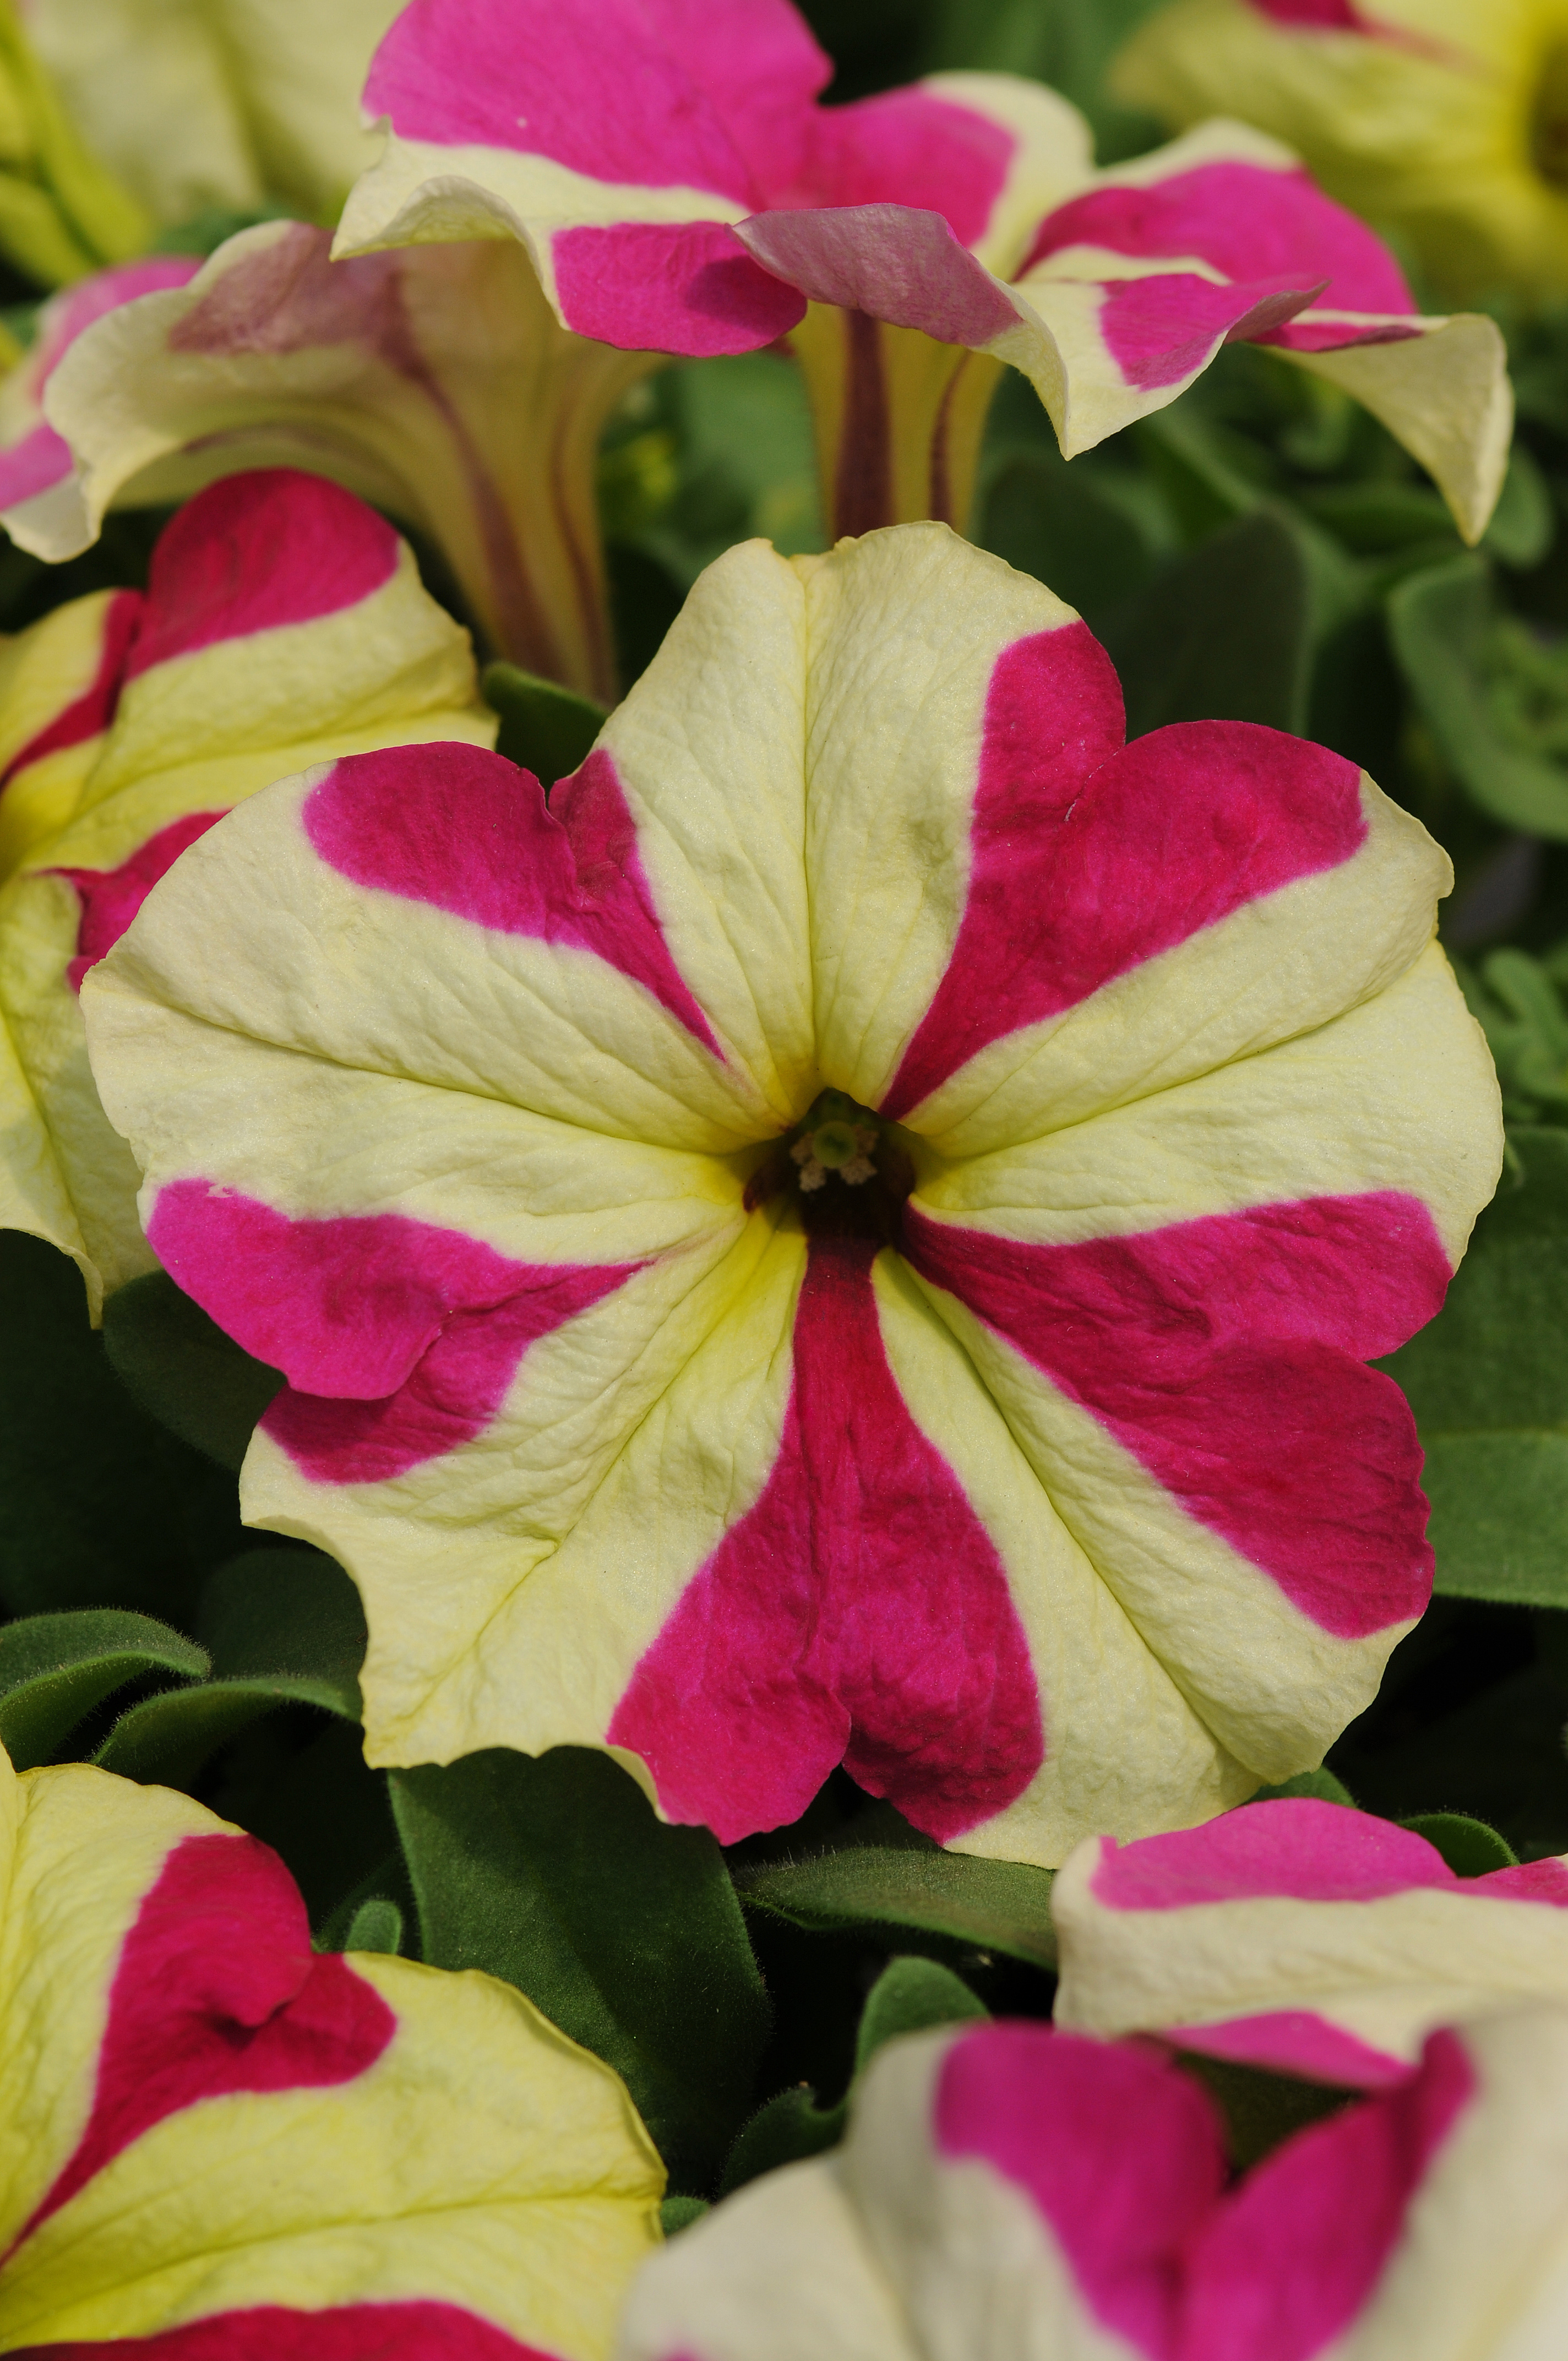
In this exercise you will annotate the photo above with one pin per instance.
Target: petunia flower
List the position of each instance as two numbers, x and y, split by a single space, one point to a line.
1034 1477
1449 123
435 382
679 187
283 623
219 104
62 212
1301 1936
1027 2194
217 2142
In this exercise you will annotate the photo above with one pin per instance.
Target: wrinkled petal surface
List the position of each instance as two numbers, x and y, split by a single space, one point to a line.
480 1131
283 621
216 2140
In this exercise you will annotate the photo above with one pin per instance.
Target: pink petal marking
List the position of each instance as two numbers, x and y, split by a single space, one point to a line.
1326 15
217 1991
357 2332
895 262
693 289
42 457
1297 1846
469 832
87 716
659 93
1117 2148
1088 857
905 149
1119 2154
399 1339
111 897
1226 1354
1294 2255
1246 220
253 554
1293 2041
1161 329
858 1613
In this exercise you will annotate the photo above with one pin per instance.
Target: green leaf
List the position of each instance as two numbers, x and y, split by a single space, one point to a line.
180 1365
909 1996
997 1906
375 1925
1224 633
98 1506
1475 693
282 1627
1056 522
1261 2110
55 1668
1524 522
1469 1847
554 1872
1488 1382
1319 1784
677 2214
544 729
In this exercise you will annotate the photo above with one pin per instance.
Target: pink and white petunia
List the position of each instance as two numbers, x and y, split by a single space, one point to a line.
435 382
1303 1936
283 623
680 188
217 2144
1026 2194
1035 1475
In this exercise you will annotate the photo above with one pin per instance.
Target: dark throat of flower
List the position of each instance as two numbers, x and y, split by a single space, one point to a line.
847 1170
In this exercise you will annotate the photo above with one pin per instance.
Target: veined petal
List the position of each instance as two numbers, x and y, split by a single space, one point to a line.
283 621
402 376
429 2141
41 503
1303 1936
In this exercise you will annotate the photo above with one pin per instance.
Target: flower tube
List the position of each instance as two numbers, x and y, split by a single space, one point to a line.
1031 1472
1034 2195
679 188
283 623
1450 124
217 2142
1301 1936
434 382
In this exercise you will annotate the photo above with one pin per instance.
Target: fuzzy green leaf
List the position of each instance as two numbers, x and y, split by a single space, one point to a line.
1224 633
55 1668
1470 1847
554 1874
998 1906
180 1365
1488 1382
545 729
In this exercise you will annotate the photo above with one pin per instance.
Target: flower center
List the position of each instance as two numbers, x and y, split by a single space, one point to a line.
1549 118
845 1168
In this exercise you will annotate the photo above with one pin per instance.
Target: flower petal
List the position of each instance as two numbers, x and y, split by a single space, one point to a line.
166 2023
1302 1937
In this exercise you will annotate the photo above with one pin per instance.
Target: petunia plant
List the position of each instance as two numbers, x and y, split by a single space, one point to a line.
680 189
434 381
1034 2195
282 623
443 2171
1011 1444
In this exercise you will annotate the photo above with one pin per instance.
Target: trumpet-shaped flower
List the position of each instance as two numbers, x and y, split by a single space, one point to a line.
1030 2195
222 102
62 214
435 382
1013 1445
216 2142
1447 118
1301 1936
678 188
283 623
